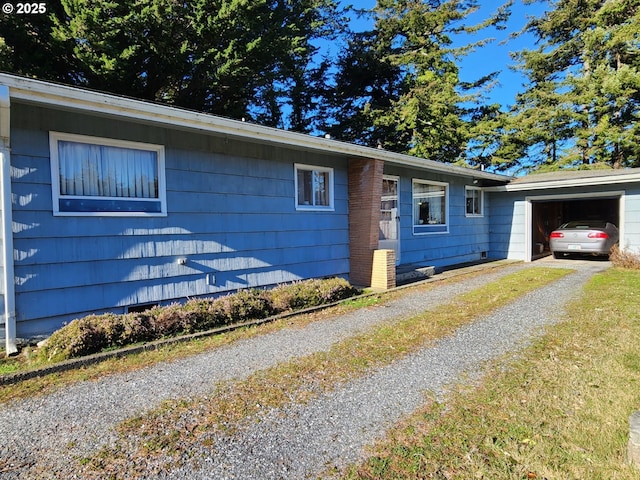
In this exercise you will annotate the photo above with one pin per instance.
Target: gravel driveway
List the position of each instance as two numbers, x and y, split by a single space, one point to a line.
46 434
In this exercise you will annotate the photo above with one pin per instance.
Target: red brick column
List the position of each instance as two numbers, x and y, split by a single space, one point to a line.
365 192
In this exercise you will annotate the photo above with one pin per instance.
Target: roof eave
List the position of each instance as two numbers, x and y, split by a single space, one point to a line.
98 103
568 183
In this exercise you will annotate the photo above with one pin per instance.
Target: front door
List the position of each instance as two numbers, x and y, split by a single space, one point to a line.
390 217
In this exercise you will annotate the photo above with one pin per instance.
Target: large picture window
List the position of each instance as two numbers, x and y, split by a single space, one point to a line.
429 207
96 176
314 187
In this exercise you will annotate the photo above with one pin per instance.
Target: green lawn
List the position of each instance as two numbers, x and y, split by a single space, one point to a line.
559 411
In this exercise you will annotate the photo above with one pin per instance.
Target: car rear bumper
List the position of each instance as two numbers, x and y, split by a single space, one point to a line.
590 248
589 251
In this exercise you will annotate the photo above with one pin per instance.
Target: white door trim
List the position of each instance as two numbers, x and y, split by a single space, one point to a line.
394 244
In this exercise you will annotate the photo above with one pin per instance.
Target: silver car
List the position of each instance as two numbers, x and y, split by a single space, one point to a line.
593 237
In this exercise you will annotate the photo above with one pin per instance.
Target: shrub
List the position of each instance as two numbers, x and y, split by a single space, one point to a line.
170 320
291 297
624 259
209 313
246 305
83 336
94 333
138 327
334 290
310 293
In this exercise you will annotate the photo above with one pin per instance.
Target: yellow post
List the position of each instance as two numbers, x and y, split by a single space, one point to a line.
383 275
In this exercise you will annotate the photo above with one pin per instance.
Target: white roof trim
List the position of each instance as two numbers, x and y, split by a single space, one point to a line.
63 96
574 182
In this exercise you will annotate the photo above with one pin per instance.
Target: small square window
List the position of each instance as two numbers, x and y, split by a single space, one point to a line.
314 187
474 200
96 176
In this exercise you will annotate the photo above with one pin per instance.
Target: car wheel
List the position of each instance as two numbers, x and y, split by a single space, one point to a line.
557 255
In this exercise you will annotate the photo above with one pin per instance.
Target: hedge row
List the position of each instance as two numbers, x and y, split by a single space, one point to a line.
96 333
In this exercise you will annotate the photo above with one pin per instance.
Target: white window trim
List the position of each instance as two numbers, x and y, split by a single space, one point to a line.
437 228
55 137
467 214
329 170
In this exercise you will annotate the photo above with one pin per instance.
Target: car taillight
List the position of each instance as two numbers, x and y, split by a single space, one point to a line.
598 235
557 235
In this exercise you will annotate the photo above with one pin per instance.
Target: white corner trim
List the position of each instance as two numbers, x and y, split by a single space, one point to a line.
7 221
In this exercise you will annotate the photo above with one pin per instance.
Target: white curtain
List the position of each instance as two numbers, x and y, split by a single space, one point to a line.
321 180
105 171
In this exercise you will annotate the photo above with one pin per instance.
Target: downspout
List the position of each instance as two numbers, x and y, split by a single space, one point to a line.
7 221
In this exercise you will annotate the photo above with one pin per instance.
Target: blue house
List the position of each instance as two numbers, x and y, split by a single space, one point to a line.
114 204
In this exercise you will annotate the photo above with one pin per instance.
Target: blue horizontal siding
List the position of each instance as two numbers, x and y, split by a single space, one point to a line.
29 142
466 238
226 184
38 224
96 298
163 264
31 196
507 225
231 214
207 202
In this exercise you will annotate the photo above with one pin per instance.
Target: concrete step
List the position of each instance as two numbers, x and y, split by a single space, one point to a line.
413 273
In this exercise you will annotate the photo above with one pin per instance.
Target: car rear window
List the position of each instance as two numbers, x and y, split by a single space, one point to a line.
585 224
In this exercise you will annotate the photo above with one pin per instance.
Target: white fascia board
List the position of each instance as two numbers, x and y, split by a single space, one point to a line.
98 103
568 183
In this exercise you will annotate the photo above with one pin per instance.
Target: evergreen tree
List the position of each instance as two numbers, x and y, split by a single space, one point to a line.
127 47
27 47
293 87
402 81
236 58
365 84
582 105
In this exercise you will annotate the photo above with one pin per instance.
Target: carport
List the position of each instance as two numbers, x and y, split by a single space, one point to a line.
549 212
524 212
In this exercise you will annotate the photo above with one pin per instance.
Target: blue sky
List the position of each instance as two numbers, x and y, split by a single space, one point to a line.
494 56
